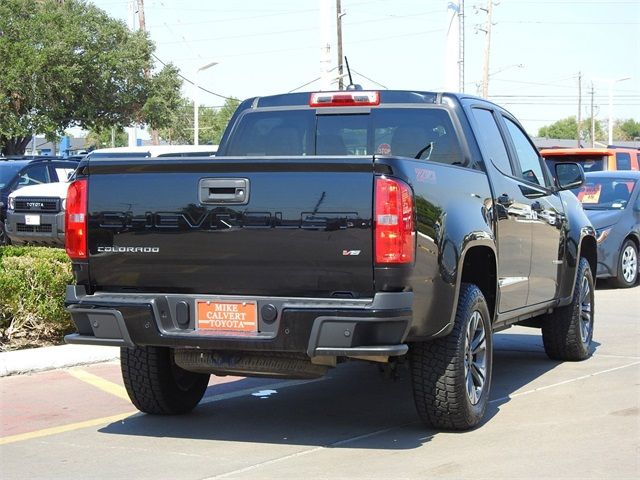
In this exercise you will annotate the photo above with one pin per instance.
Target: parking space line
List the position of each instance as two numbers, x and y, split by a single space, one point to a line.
117 390
627 357
45 432
564 382
100 383
338 443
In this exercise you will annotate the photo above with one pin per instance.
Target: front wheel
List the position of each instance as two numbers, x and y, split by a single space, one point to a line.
451 376
627 266
567 332
157 385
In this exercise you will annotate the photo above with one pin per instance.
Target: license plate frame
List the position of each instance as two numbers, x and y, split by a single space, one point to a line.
226 316
33 220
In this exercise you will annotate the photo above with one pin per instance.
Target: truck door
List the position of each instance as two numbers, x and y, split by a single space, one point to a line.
512 213
546 215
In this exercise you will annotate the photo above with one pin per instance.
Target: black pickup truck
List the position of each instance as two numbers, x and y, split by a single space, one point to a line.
392 226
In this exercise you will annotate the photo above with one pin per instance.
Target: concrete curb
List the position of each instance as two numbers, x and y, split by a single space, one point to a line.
50 358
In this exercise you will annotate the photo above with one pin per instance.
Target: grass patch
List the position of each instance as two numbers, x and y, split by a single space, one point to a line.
32 291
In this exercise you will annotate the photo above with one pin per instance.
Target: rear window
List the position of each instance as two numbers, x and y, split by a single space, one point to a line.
426 133
590 163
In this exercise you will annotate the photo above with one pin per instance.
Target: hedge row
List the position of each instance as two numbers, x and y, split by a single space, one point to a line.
32 289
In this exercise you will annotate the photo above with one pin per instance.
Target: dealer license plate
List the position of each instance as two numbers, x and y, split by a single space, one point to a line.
224 316
32 219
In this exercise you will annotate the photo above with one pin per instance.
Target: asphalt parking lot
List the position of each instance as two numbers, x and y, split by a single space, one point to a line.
546 420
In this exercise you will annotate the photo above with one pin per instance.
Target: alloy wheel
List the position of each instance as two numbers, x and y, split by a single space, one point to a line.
629 264
585 310
475 358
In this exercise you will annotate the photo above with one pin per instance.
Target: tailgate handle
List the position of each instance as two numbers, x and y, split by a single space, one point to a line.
234 191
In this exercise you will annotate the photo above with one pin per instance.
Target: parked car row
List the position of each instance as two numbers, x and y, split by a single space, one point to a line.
34 190
610 198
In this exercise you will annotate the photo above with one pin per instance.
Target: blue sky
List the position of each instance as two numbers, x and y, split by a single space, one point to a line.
267 47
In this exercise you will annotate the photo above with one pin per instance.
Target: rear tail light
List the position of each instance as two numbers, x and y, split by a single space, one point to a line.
344 99
394 226
75 231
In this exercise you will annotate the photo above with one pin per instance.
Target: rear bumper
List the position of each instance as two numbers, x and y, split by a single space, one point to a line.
50 231
317 327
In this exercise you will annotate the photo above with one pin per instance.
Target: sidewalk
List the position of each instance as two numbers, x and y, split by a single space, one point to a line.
49 358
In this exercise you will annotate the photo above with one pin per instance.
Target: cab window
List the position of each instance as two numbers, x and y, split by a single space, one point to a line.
64 173
623 161
490 140
33 175
530 167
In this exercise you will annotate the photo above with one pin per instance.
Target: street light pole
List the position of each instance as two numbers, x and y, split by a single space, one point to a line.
196 92
611 82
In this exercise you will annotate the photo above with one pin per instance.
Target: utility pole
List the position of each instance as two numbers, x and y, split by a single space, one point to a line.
593 121
155 138
325 45
579 105
461 48
141 15
132 131
339 16
487 49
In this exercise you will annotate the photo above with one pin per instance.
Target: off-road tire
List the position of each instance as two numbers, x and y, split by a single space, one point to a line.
563 331
156 385
438 371
627 266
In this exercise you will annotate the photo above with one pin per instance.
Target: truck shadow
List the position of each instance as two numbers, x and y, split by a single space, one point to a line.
353 407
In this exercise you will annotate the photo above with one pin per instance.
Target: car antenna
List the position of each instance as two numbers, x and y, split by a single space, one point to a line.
351 85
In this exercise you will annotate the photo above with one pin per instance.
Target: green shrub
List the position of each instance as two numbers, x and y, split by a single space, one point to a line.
32 290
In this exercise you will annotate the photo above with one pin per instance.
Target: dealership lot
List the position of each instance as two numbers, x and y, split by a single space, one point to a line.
545 420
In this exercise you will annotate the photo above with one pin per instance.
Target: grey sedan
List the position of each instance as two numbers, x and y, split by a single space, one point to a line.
611 200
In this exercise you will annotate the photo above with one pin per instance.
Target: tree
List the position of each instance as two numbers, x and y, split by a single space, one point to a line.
212 123
222 118
626 129
108 137
70 64
567 128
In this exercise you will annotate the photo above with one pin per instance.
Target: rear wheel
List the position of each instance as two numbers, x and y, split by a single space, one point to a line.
627 266
567 331
157 385
451 376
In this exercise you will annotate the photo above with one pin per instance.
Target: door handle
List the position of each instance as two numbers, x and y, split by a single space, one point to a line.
229 191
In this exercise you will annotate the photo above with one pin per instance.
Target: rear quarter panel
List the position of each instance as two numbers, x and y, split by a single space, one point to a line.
453 213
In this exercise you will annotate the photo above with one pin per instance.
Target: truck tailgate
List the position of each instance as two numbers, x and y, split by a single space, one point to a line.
297 226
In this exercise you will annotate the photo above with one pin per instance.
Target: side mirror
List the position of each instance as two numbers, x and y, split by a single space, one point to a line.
569 175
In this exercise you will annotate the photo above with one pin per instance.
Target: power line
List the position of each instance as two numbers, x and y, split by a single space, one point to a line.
548 22
191 81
